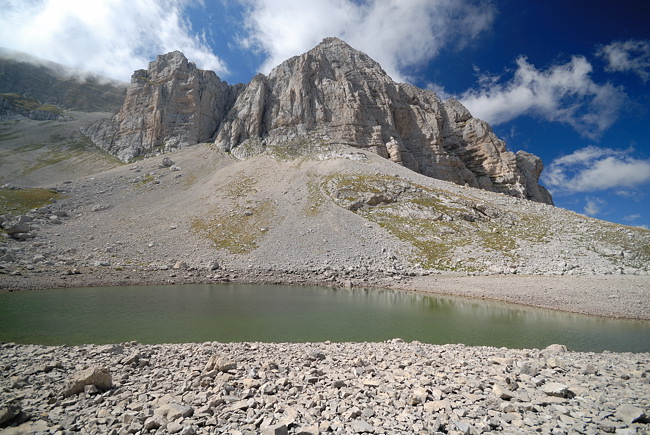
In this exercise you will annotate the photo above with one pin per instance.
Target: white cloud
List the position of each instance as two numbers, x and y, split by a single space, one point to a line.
632 217
108 37
593 169
561 93
398 34
593 206
632 55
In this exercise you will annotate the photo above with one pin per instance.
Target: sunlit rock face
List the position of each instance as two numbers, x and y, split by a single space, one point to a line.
336 94
332 94
169 105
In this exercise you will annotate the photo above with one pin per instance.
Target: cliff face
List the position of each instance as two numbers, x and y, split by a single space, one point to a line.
170 105
332 94
336 94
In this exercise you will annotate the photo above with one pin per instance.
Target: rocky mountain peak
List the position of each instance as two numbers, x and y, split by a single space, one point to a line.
332 95
165 67
170 105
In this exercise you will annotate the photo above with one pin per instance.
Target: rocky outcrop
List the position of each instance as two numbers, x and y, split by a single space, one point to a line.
170 105
337 95
331 95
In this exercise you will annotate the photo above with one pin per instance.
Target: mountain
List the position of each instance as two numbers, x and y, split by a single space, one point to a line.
27 82
331 96
43 107
322 171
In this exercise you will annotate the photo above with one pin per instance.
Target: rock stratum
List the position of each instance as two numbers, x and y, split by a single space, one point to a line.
331 95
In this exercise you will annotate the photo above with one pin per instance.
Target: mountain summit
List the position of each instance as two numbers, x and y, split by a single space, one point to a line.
333 95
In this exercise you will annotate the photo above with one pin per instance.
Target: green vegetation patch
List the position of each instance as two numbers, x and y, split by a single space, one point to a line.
23 103
498 240
315 197
624 246
243 186
20 201
300 148
413 213
8 132
435 250
238 233
63 148
147 80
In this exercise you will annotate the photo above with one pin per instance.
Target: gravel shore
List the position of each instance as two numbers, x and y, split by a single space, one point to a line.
148 224
310 388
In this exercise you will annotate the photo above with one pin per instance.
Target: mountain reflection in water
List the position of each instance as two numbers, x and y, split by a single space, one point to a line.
197 313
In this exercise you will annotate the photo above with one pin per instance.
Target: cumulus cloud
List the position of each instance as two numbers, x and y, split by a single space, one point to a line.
107 37
593 206
398 34
562 93
628 56
593 169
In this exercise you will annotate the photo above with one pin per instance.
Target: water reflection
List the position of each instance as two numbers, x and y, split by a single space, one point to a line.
158 314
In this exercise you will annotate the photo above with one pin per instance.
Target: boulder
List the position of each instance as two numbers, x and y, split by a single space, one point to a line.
554 349
174 411
277 429
17 228
220 363
630 414
100 377
556 389
8 413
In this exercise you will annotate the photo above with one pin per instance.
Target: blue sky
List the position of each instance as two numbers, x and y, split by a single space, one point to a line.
566 80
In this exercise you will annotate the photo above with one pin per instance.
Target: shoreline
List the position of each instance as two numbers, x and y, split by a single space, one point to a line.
607 296
385 387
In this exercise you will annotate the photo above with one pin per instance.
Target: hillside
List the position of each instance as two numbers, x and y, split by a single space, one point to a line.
43 107
296 211
335 216
25 80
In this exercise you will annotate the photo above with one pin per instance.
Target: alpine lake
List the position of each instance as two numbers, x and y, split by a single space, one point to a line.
273 313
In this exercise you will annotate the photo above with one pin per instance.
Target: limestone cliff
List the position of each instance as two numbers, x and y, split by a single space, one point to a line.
332 94
335 94
170 105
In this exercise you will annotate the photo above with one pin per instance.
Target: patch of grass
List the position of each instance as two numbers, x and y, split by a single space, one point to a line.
145 179
241 187
241 233
8 133
189 180
315 197
63 148
633 242
413 213
434 252
300 148
20 201
147 80
23 103
499 241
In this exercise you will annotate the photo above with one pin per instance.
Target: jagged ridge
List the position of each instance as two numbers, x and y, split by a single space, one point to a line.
332 95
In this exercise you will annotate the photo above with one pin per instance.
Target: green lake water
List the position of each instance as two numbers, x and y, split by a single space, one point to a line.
198 313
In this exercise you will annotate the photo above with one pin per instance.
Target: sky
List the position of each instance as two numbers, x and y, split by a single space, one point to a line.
568 81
